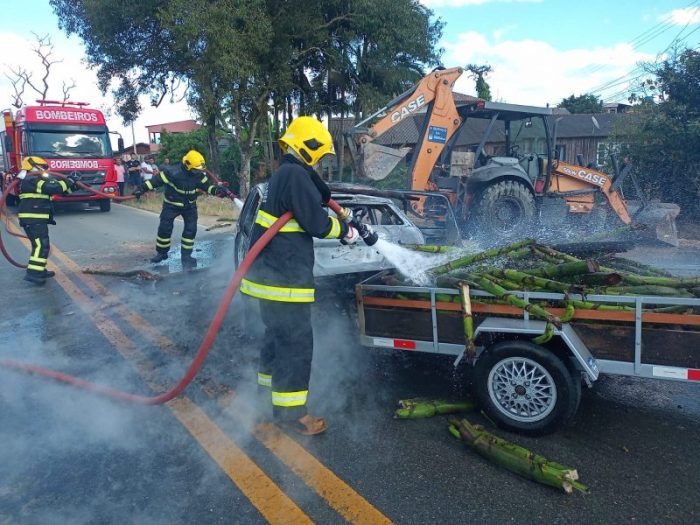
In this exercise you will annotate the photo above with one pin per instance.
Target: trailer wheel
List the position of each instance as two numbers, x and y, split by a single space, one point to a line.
525 388
506 210
105 205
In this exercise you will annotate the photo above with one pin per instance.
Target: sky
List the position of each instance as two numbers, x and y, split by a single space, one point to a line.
541 51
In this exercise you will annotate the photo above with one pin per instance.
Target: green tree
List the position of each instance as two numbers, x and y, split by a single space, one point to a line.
663 141
478 73
586 103
242 60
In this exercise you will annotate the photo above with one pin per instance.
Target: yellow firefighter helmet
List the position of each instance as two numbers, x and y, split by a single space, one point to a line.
194 160
34 164
309 138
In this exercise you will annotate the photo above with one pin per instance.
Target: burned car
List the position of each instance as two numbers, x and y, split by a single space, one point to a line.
333 258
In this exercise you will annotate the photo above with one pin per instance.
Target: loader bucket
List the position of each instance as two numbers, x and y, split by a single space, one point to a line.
377 162
658 219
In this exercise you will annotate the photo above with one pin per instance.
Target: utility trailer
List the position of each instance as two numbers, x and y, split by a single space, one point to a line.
520 385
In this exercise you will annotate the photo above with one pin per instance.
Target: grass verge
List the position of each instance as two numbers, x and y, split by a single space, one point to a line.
223 209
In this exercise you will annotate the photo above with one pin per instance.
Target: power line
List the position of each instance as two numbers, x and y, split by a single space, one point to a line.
624 79
643 38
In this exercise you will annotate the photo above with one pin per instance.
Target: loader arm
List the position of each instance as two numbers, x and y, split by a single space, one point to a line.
434 94
577 185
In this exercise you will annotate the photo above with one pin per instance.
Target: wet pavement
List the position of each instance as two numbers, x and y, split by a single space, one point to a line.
70 457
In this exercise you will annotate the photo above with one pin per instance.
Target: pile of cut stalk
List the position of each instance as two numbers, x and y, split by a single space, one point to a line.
532 267
529 266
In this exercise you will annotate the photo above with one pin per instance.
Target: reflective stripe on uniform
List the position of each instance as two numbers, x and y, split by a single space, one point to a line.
289 399
277 293
183 192
34 196
187 243
149 184
38 260
181 205
33 215
36 267
266 220
63 185
40 185
264 379
335 229
204 180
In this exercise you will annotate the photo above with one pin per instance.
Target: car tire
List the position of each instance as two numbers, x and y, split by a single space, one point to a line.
504 387
505 212
105 205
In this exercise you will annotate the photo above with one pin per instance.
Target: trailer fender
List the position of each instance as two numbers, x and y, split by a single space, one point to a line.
583 357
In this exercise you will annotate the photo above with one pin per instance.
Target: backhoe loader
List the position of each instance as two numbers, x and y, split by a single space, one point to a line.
505 179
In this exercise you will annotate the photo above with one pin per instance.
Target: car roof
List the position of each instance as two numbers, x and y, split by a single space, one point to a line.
348 198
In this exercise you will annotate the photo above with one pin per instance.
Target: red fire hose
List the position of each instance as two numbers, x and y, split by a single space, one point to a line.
3 249
204 347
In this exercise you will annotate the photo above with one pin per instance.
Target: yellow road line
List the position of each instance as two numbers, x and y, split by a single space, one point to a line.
348 503
339 495
262 492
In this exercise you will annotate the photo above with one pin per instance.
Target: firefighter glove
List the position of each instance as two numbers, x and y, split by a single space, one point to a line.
73 180
222 191
351 237
138 191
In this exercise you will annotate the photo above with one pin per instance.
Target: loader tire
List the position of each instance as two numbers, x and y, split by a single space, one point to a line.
505 212
526 388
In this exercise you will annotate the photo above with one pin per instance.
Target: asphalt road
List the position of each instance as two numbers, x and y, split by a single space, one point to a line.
68 456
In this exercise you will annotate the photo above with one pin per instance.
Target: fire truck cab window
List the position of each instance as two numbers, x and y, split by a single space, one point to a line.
69 144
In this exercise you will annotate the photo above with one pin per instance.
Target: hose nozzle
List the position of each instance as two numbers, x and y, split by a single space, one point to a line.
368 234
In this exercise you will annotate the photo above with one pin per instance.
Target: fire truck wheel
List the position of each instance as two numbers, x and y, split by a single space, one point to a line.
506 210
105 205
525 388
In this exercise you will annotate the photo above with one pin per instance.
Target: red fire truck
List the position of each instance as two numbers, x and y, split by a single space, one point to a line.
71 137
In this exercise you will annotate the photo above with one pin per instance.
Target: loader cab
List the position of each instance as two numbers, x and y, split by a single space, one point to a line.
507 140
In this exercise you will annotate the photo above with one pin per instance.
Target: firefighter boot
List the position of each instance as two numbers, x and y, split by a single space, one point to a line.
48 273
35 278
160 256
188 261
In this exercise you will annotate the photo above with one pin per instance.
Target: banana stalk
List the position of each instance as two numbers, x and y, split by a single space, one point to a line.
636 267
531 281
500 292
475 257
646 290
515 458
467 319
418 408
429 248
599 279
567 269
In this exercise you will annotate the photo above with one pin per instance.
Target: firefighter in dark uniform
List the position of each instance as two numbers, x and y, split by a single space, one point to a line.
35 212
282 275
182 185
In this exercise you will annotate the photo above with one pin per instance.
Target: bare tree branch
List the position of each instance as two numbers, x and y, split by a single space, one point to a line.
19 84
67 88
44 50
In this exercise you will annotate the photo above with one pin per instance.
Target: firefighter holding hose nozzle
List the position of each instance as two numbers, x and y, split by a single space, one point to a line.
35 212
282 275
182 185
